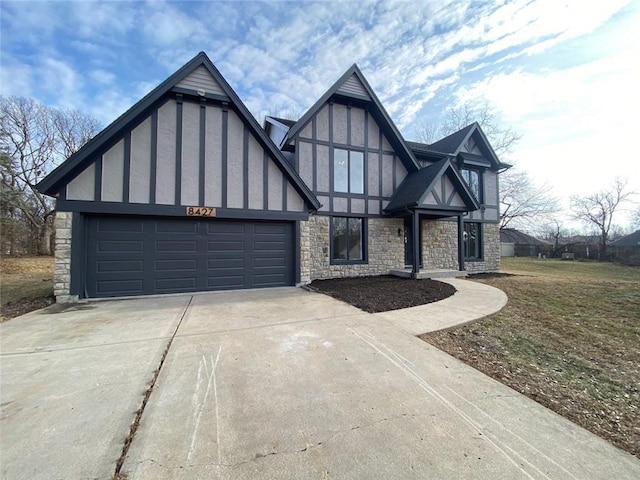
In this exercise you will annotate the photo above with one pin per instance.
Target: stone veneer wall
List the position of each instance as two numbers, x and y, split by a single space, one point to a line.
62 262
439 244
491 250
386 249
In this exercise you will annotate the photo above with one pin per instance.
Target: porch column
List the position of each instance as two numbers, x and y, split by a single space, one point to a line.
416 244
460 243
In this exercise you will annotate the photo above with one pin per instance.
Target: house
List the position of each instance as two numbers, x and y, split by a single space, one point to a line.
187 192
519 244
626 249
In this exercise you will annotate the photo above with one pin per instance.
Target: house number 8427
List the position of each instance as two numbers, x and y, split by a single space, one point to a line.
201 212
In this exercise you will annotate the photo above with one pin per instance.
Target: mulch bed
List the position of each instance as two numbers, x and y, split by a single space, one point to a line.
384 293
25 305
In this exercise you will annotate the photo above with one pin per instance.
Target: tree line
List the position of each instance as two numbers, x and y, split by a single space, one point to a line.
34 139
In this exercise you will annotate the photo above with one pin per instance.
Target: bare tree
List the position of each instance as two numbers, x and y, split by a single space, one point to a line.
599 208
502 138
635 218
523 203
33 139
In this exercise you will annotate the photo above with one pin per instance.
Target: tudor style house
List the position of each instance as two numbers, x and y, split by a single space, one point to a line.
186 192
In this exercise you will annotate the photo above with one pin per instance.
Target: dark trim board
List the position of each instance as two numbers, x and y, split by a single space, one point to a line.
171 210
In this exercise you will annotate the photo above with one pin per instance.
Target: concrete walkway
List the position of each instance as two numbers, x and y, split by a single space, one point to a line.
278 383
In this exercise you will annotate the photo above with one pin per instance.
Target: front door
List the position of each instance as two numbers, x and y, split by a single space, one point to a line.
408 242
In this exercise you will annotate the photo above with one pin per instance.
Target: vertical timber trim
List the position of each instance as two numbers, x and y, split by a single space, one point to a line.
314 154
349 124
365 166
415 268
178 191
203 130
245 167
331 157
298 250
97 191
225 135
265 181
380 192
153 169
461 266
126 171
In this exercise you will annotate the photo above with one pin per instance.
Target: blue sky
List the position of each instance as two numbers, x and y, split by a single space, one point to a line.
563 73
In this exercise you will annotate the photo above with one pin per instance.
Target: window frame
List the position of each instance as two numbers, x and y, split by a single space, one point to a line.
478 243
349 180
363 241
466 168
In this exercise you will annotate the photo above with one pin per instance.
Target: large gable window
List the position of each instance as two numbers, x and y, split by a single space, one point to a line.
473 179
348 171
347 240
472 241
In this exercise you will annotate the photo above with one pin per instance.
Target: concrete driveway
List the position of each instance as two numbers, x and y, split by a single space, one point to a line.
277 383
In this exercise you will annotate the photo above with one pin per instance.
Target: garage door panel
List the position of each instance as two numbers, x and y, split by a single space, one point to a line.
225 228
119 266
226 246
118 287
114 224
119 246
227 282
174 246
186 228
174 285
134 256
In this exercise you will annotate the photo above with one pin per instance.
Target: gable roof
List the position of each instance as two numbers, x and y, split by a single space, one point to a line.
353 84
188 79
631 240
511 235
418 185
453 144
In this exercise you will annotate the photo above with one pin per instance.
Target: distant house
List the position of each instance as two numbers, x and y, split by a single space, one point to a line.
186 192
514 243
626 249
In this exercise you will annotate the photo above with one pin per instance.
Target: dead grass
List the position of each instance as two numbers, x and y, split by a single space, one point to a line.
26 284
569 338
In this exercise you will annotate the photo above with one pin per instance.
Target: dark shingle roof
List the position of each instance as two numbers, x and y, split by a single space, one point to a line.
414 186
450 143
511 235
631 240
418 184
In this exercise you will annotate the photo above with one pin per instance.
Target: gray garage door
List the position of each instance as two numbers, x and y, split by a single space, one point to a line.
140 256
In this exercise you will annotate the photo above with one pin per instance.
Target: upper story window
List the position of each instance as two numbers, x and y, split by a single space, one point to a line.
348 171
473 178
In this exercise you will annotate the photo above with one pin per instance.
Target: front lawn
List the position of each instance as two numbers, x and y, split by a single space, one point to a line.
568 338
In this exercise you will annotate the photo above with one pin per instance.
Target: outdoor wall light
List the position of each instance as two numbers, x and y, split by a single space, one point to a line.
399 232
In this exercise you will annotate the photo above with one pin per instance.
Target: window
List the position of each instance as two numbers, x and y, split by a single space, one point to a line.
472 241
348 171
472 177
347 240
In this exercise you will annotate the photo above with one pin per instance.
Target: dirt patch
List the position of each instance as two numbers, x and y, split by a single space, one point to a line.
24 305
385 292
480 276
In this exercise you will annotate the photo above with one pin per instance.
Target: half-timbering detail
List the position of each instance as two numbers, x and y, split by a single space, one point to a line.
186 192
